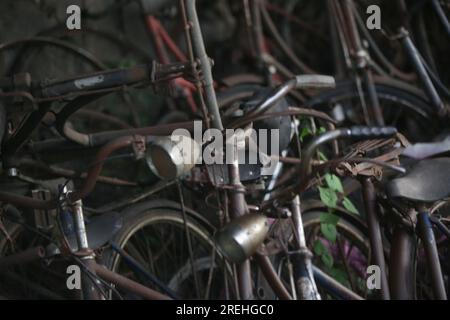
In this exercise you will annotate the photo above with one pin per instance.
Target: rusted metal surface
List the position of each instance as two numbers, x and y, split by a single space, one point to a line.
22 258
88 184
272 277
376 241
94 171
127 284
401 265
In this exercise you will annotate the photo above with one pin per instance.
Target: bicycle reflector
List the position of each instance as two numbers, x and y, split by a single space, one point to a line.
172 157
240 238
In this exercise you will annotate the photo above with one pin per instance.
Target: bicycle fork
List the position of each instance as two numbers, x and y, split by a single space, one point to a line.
86 256
303 272
426 234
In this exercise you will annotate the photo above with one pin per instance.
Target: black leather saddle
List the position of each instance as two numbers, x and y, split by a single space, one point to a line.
427 181
420 151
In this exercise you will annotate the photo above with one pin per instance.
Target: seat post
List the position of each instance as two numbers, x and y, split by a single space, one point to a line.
426 234
376 240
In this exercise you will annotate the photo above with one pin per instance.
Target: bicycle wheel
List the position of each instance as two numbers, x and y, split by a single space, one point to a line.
346 259
422 272
32 280
402 107
157 240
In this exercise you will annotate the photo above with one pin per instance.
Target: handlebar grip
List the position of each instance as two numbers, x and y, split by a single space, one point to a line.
96 81
361 133
313 81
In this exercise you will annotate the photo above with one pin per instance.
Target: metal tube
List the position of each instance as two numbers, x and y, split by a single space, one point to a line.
376 241
27 202
274 178
291 112
22 257
98 80
205 64
89 288
429 242
138 267
281 43
352 29
87 259
245 280
375 109
442 227
333 286
416 59
271 276
303 274
298 223
361 60
127 284
80 227
238 208
308 153
442 16
99 139
87 187
273 97
401 265
22 134
34 287
95 170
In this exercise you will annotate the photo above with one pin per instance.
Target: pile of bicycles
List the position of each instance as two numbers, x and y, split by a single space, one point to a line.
308 157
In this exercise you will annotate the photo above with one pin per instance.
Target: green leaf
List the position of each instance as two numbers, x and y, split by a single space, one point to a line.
322 157
339 275
329 218
328 197
306 131
327 259
329 231
334 182
319 248
349 205
322 130
361 284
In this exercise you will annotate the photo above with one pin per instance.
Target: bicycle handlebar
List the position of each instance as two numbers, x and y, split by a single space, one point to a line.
362 132
88 184
299 82
356 133
314 81
306 81
95 81
151 73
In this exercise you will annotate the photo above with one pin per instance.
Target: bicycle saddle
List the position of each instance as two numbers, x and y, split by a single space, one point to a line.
427 181
421 151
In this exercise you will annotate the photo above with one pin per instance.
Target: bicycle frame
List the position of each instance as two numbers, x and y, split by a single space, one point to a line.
349 43
403 248
343 12
163 45
237 206
423 74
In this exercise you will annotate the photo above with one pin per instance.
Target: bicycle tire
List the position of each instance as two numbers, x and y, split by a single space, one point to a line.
135 222
354 230
414 110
